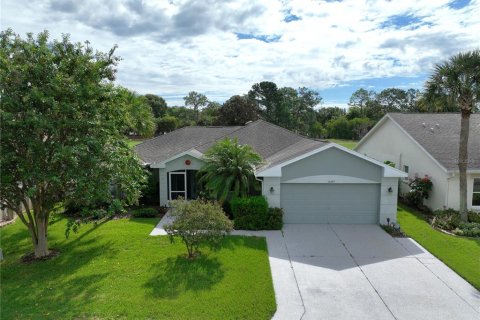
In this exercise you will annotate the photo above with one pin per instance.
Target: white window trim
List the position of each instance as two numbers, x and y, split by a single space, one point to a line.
473 192
184 173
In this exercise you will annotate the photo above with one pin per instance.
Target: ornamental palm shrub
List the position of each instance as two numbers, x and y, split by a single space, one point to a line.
198 222
229 169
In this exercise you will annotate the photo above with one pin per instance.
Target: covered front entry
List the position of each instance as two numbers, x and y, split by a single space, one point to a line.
182 183
330 203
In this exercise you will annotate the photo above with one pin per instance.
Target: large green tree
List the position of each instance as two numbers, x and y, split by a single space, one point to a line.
458 79
229 169
139 115
267 97
61 129
237 111
158 105
196 101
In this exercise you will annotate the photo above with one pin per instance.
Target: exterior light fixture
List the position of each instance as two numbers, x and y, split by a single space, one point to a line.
390 189
272 190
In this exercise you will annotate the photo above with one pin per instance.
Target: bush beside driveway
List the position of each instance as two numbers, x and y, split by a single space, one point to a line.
462 254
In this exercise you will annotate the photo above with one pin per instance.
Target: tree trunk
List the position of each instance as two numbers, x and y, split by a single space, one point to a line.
463 162
41 243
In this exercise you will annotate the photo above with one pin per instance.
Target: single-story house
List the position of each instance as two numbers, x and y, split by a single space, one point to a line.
427 144
313 181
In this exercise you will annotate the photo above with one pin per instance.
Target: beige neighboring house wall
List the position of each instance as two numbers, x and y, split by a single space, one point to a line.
388 141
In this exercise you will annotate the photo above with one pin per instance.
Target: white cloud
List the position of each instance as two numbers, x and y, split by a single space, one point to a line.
172 47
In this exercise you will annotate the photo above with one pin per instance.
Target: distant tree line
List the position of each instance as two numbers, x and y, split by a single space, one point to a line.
299 110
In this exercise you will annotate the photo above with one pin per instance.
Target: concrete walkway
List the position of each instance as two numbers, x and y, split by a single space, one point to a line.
360 272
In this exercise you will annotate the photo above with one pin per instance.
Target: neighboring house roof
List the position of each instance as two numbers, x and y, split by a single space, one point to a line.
273 143
438 134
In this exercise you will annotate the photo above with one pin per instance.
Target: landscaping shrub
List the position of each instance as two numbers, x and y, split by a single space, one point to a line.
250 213
198 222
474 216
449 219
144 213
419 189
468 229
274 219
150 189
446 219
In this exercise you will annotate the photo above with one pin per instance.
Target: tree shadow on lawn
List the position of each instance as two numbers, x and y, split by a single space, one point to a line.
232 242
176 275
55 286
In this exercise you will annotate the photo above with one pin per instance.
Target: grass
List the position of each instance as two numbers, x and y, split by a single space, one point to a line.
350 144
133 142
459 253
116 270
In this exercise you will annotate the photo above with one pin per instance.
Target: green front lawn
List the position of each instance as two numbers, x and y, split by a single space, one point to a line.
116 270
459 253
350 144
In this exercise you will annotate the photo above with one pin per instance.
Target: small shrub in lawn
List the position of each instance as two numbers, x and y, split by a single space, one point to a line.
144 213
198 222
250 213
446 219
274 219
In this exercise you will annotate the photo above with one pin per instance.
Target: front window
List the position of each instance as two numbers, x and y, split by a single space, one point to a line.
405 169
476 193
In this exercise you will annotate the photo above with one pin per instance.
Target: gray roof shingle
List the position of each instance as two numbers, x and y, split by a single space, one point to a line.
439 134
273 143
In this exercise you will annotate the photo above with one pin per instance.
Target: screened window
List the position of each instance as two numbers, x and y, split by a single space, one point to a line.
476 192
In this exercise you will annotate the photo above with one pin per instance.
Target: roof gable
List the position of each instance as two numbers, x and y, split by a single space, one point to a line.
438 135
276 171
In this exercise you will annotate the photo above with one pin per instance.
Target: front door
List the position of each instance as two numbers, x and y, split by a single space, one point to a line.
178 184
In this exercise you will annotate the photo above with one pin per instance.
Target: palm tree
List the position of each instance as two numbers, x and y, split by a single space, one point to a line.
229 169
458 80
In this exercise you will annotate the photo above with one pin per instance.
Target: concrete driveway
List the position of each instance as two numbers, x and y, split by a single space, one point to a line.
360 272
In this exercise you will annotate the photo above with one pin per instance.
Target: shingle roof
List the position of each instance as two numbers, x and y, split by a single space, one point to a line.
439 134
273 143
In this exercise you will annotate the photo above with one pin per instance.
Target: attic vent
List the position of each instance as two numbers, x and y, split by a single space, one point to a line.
431 129
423 124
437 125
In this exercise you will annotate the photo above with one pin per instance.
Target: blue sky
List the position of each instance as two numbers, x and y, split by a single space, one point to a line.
221 48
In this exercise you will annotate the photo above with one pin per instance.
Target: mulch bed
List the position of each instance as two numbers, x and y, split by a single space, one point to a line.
30 257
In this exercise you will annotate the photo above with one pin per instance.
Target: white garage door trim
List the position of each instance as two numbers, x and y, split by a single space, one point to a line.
330 202
329 179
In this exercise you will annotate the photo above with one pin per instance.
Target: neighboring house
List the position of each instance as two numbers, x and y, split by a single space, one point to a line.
427 144
313 181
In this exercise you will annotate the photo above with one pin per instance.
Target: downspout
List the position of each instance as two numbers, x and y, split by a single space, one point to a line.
450 175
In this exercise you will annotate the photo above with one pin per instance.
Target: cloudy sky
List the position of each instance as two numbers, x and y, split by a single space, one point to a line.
220 48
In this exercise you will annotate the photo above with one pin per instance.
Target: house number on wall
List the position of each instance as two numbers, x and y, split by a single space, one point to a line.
331 181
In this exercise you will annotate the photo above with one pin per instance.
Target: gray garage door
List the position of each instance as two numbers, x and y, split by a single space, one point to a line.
330 203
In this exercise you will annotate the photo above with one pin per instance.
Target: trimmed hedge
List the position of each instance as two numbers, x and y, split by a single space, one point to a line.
252 213
144 213
274 219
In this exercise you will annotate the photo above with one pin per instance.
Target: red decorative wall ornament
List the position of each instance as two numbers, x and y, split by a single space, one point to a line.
188 162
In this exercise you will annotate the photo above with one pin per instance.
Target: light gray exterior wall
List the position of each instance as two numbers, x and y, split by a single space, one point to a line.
388 200
273 198
333 162
389 142
176 164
